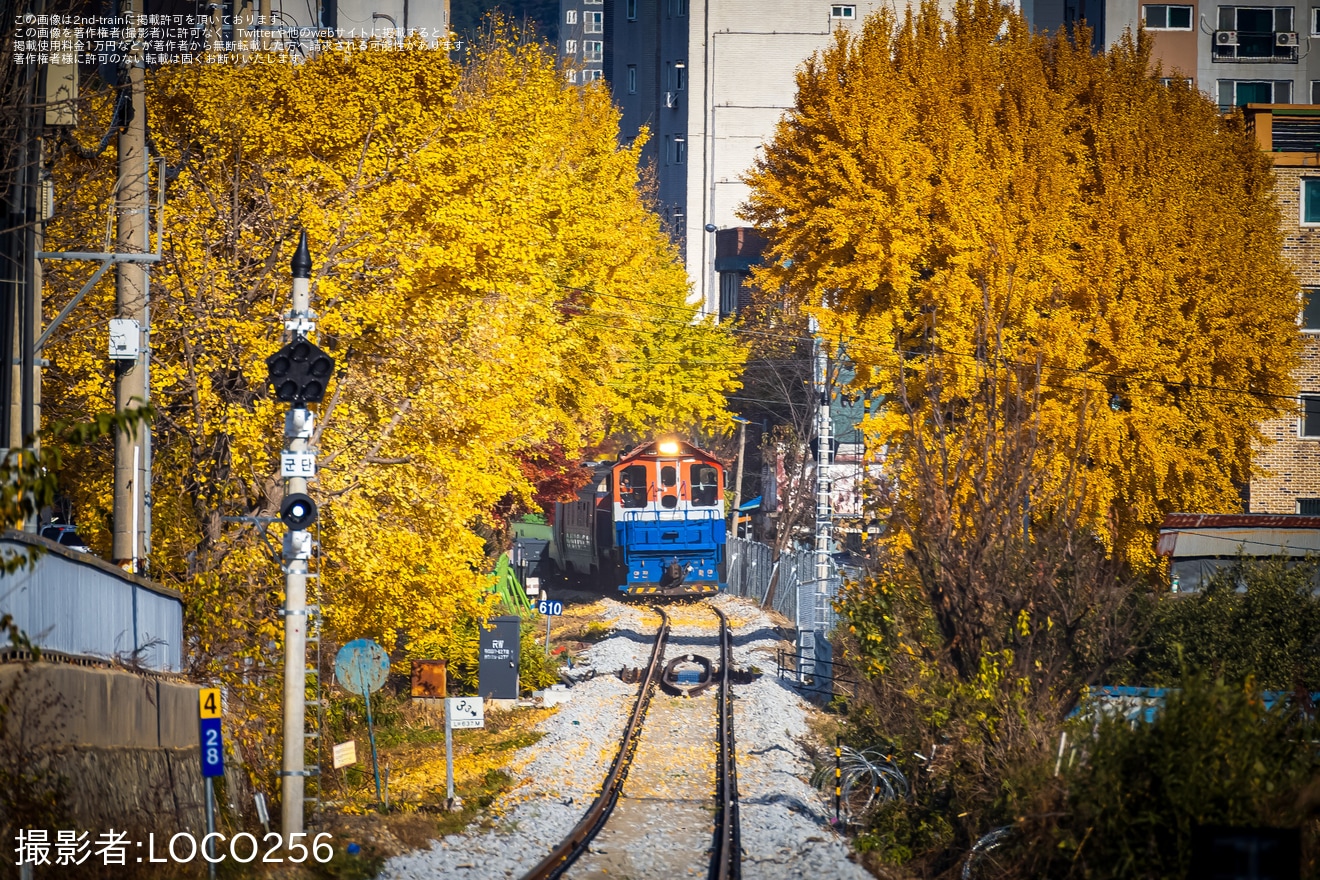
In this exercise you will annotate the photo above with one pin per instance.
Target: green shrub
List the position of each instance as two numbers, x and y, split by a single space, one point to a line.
1213 755
1270 631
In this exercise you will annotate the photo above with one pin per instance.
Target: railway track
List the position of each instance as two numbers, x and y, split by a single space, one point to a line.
726 856
725 847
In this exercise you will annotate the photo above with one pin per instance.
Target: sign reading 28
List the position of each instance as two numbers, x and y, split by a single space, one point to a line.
213 745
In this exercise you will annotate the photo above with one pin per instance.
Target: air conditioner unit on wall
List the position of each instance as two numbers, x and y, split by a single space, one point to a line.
1226 38
1285 39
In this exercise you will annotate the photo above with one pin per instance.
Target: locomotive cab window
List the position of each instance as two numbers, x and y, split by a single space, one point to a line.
632 486
668 476
705 485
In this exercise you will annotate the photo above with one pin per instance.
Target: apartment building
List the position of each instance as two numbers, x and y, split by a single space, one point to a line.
430 18
582 39
294 24
1291 460
1236 54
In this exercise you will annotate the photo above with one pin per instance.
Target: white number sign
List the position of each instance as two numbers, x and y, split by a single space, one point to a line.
551 607
465 712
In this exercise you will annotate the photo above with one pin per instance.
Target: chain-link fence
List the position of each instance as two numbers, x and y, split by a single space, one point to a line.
754 572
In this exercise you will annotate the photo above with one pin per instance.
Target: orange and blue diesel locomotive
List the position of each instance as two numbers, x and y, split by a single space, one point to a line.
650 524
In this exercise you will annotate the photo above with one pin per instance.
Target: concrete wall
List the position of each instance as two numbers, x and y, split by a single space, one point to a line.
126 745
743 59
740 60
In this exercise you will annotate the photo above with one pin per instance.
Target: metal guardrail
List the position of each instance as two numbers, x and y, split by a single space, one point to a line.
823 680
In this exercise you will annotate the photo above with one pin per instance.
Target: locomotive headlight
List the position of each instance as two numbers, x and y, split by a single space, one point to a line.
668 447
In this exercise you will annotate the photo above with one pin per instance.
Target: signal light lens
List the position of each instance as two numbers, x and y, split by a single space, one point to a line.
300 372
298 512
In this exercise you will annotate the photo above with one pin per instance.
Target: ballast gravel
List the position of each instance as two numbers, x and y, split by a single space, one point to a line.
785 822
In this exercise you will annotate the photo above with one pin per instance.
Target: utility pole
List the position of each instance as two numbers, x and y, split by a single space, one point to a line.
737 480
22 273
809 601
31 173
132 476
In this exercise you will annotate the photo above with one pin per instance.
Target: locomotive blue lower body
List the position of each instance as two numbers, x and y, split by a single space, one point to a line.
670 557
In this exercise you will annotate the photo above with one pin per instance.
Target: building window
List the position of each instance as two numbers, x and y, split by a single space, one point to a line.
1310 316
844 13
570 17
632 10
1308 506
1315 21
1311 201
572 76
1255 33
678 7
591 75
570 47
1239 93
632 79
1310 426
1167 81
593 50
593 22
678 149
730 288
593 2
1315 91
677 76
1167 18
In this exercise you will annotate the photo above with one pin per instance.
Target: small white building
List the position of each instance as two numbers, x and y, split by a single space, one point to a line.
1198 545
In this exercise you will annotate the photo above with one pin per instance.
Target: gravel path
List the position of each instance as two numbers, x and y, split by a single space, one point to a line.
785 827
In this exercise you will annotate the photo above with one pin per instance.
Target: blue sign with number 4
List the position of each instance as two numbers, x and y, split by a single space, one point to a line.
547 606
213 748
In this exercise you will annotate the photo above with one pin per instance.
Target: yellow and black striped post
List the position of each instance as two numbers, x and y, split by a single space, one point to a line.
838 776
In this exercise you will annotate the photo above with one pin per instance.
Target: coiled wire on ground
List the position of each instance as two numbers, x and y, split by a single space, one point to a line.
868 778
983 846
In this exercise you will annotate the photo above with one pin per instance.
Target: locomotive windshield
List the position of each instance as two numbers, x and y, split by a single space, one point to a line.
705 485
632 486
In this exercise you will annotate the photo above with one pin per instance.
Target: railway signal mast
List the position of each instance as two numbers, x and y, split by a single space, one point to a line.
299 373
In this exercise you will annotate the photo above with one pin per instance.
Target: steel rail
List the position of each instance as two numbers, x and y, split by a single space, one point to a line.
726 854
577 841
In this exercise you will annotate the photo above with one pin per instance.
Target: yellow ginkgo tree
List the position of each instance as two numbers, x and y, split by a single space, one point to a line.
485 270
965 194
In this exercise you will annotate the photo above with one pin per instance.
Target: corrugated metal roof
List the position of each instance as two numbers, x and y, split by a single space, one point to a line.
1239 521
1250 542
